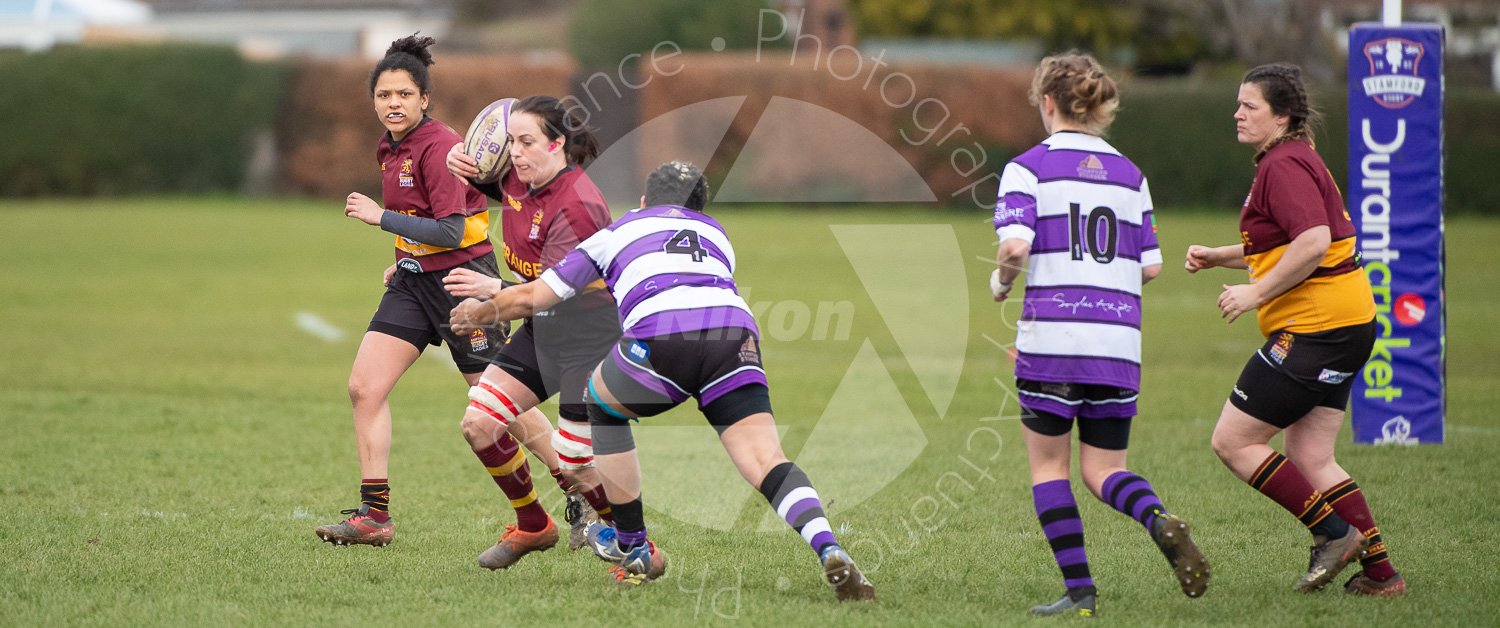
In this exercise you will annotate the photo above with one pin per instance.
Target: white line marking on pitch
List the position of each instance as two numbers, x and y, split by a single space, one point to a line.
319 328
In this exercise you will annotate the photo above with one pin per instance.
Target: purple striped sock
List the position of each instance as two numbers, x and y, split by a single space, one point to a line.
1133 496
792 496
630 540
1058 513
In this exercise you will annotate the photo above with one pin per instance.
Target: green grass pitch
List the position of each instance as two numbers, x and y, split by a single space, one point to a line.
174 422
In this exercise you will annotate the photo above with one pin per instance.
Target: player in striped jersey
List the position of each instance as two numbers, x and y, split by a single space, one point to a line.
687 333
1317 310
1077 216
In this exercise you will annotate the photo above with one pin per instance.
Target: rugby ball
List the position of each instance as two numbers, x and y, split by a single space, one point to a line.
488 141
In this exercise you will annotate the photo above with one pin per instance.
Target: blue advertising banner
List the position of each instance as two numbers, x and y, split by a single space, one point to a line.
1395 198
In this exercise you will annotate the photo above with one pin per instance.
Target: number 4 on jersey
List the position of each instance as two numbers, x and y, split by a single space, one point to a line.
685 242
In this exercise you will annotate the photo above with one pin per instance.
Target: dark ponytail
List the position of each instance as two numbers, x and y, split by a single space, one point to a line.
557 122
409 54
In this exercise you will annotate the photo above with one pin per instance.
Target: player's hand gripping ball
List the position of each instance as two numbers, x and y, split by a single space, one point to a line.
488 141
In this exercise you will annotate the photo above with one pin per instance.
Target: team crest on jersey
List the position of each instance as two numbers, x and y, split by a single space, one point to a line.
478 341
1393 82
536 226
1093 169
1281 347
406 179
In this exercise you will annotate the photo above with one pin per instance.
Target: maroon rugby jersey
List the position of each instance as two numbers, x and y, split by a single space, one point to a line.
414 180
543 225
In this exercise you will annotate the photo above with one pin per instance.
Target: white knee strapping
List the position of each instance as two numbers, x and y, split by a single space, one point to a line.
490 400
574 445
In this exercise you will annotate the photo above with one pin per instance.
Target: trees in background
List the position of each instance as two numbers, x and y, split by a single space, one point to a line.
1165 35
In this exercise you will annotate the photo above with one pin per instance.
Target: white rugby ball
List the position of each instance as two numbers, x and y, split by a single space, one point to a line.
488 141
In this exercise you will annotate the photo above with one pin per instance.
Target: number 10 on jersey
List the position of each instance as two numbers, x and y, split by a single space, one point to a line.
1084 235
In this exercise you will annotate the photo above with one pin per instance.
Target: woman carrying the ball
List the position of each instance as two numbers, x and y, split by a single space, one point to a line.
1317 312
439 224
547 205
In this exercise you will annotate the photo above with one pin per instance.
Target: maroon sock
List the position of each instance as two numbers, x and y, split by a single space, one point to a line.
1347 500
562 481
507 465
1279 479
600 503
375 494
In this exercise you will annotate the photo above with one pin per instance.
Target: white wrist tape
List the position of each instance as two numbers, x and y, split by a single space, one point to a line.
999 288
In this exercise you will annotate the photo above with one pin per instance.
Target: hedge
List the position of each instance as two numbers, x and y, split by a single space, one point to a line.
1182 136
132 119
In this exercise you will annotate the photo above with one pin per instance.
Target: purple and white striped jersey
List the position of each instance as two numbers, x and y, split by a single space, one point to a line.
1086 210
671 270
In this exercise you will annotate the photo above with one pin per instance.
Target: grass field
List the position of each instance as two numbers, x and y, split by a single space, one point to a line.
171 435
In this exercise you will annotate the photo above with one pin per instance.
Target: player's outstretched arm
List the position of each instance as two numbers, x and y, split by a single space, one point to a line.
1200 257
502 305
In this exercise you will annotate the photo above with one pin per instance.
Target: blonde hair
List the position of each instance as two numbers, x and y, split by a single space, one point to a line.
1083 91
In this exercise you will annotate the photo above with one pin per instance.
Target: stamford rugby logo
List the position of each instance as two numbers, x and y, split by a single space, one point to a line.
1393 82
1093 169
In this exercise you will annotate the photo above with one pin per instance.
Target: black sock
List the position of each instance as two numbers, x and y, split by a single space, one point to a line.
1331 527
630 524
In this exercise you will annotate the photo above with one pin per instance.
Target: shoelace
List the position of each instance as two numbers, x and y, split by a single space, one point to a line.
574 510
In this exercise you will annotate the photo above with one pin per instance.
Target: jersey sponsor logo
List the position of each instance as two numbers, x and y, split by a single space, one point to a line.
639 351
1330 376
1281 347
527 270
1393 82
1004 213
478 341
514 204
1118 307
410 265
1093 169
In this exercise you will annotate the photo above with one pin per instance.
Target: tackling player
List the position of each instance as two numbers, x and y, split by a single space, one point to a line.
688 333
